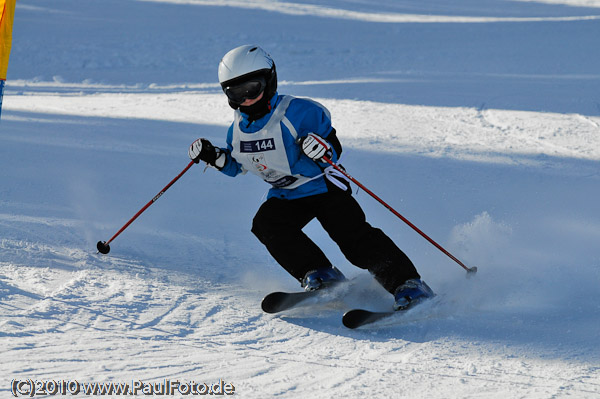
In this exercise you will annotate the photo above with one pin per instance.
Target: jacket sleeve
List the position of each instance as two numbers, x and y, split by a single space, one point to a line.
232 167
314 118
335 144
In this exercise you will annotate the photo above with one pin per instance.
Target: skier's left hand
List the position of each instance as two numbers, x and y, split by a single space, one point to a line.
315 147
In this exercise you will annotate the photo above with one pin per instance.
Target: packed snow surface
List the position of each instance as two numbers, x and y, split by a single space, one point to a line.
477 120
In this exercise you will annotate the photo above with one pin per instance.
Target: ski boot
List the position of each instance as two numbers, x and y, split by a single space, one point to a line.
410 293
321 278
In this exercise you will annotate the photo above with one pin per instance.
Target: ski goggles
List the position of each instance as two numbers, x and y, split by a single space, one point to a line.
247 90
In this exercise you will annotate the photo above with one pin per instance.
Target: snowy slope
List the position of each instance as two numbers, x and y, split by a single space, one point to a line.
477 120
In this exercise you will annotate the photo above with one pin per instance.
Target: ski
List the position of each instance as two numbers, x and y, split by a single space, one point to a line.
276 302
359 317
279 301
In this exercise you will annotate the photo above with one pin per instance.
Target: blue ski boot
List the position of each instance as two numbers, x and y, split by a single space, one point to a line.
410 293
321 278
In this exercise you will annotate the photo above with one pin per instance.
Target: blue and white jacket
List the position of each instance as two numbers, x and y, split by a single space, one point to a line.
269 147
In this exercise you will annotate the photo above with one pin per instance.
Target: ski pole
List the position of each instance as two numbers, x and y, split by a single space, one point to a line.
470 270
103 246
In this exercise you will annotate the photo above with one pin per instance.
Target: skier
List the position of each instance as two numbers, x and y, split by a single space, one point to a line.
283 139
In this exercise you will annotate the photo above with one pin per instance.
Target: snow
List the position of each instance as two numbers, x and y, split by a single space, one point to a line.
477 120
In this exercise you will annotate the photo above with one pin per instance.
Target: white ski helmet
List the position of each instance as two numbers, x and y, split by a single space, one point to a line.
243 64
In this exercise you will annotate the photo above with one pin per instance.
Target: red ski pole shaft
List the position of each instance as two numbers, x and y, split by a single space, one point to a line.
405 220
103 246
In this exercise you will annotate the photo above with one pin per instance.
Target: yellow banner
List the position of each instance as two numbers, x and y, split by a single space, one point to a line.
7 15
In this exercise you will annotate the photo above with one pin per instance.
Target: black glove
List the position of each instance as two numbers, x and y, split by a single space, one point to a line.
203 150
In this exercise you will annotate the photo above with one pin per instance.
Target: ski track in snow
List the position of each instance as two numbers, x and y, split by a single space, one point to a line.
468 123
123 318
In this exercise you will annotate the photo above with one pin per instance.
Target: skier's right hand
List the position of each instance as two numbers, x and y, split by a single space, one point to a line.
202 150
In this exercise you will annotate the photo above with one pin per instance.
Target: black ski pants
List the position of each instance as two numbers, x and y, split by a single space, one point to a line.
278 225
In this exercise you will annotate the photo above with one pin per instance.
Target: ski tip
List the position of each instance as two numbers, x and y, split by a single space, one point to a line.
359 317
270 302
355 318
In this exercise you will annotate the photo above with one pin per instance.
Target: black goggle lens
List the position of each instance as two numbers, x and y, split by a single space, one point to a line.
248 90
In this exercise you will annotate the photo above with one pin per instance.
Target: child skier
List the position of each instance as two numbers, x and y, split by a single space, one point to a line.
283 139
